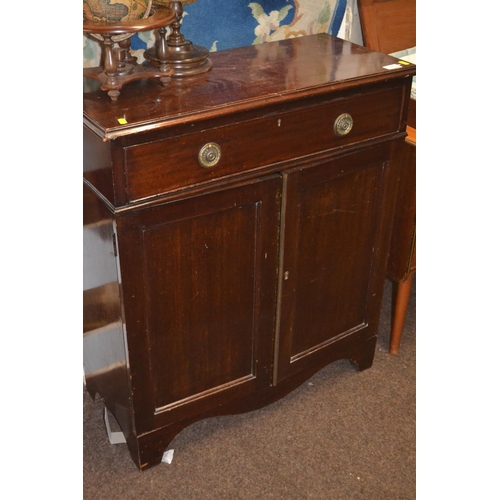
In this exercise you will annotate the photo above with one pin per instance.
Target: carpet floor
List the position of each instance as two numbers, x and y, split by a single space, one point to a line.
343 434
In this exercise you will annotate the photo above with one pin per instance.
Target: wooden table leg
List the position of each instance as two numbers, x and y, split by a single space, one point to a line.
400 304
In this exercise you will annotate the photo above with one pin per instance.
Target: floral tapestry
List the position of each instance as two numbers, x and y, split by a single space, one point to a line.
224 24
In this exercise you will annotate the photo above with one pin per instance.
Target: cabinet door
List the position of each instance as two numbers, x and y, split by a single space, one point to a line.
337 217
199 281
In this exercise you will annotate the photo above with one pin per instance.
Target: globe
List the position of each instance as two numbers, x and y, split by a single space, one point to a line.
113 11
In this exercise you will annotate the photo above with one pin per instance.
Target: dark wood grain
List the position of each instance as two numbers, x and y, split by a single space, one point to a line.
333 236
153 168
219 290
199 281
402 254
244 78
388 25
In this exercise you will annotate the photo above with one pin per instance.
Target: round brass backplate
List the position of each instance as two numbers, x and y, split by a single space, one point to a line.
343 125
209 155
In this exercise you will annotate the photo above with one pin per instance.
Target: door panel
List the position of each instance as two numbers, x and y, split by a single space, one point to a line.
206 269
207 325
331 233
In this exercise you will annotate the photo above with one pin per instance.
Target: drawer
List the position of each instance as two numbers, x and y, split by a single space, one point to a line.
172 163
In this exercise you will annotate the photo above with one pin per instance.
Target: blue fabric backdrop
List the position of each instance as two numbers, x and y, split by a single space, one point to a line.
224 24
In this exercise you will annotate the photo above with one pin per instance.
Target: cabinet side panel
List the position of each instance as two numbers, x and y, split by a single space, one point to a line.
104 352
97 163
401 255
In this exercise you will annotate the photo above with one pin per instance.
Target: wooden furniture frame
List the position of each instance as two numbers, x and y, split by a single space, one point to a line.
119 66
389 26
236 230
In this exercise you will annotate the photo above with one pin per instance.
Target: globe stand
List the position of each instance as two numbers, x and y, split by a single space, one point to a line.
127 56
185 58
120 67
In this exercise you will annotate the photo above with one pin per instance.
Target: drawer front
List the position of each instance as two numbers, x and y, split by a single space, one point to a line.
176 162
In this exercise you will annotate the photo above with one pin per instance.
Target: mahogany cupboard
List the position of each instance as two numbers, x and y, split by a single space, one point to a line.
236 230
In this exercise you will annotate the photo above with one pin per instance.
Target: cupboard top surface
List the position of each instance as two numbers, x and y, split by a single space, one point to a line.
240 79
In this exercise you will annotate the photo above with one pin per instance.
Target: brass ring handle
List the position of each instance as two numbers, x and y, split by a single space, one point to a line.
209 155
343 125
